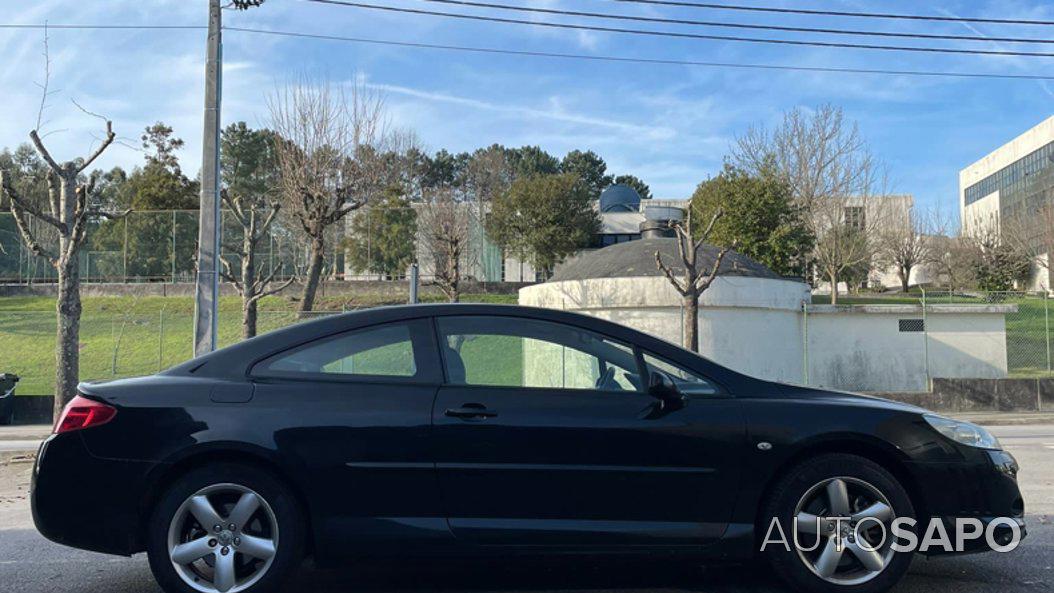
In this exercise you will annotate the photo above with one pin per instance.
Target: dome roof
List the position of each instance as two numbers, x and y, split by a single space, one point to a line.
637 258
619 198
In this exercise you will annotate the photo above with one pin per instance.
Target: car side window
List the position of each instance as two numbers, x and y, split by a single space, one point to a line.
517 352
390 350
687 382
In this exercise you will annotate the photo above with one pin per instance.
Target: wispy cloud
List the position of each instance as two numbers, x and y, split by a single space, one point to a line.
555 112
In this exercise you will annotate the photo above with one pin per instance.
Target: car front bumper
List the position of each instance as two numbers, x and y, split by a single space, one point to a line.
84 501
982 489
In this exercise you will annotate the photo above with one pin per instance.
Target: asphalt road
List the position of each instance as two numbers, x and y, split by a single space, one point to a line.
31 564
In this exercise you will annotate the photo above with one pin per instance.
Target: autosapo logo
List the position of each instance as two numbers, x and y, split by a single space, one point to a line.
1002 534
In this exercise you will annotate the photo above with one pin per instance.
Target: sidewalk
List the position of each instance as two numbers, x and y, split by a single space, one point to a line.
1004 418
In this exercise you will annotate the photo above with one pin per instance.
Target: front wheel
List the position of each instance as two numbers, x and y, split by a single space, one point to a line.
225 528
852 554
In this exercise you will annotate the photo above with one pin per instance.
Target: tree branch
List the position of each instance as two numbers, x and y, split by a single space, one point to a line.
28 238
102 147
669 274
27 206
704 282
43 152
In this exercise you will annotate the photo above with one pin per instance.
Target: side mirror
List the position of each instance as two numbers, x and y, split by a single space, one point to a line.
662 388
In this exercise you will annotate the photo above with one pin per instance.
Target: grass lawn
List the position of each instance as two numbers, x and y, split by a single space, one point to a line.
128 336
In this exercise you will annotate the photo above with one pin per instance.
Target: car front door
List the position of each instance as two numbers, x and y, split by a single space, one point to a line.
545 436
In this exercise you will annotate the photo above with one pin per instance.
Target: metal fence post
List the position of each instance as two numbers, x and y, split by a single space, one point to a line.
926 342
1046 326
161 340
805 342
414 280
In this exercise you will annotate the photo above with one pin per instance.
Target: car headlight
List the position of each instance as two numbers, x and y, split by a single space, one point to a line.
965 433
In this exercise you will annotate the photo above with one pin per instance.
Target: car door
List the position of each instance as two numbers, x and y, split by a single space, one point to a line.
545 436
356 410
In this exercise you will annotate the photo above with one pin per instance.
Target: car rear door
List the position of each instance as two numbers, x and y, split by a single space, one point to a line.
544 436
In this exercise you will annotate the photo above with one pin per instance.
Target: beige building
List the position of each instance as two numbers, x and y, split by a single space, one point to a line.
1013 182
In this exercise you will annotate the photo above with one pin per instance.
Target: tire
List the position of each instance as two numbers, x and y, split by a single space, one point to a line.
805 488
257 557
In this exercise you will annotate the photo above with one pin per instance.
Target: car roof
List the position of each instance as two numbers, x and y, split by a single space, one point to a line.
235 361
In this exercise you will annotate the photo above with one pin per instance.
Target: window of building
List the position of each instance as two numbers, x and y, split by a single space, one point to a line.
855 217
1012 176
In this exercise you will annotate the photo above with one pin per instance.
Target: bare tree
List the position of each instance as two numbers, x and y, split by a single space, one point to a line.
445 224
329 159
694 281
906 243
69 208
833 176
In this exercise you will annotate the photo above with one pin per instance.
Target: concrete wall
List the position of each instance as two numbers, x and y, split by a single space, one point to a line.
757 326
862 348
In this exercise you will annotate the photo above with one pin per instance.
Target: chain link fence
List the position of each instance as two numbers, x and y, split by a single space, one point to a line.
1028 328
161 246
145 340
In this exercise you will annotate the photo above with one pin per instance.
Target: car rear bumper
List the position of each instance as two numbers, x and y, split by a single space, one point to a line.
84 501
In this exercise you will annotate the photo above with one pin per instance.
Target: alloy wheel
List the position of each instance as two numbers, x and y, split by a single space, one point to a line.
844 552
223 539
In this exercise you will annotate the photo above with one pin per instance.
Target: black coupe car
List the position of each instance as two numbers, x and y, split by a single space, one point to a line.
484 429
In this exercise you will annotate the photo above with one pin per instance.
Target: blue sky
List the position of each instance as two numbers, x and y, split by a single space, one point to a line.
669 125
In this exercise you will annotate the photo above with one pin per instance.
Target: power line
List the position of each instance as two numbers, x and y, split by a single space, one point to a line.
578 27
751 26
90 26
870 15
652 61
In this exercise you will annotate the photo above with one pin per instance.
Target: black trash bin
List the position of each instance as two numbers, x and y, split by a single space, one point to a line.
7 397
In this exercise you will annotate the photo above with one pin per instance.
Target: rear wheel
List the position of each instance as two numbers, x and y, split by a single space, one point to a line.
853 555
225 528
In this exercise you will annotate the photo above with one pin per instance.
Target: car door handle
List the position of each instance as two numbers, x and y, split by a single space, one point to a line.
470 412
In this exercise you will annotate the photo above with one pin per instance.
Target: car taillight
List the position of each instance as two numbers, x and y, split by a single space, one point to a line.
82 412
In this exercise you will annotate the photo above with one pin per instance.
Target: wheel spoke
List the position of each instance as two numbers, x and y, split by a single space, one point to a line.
838 498
871 560
190 551
243 511
879 510
828 561
203 511
223 578
257 547
807 523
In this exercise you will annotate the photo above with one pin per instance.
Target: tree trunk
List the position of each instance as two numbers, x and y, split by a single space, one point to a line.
691 323
249 314
67 338
833 276
905 278
314 274
248 285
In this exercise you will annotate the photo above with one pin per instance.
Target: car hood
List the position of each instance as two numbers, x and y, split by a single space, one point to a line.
847 398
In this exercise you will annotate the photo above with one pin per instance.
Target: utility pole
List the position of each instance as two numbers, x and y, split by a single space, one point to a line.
206 290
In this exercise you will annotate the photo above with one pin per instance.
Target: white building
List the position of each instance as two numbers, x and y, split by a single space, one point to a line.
1015 181
756 322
